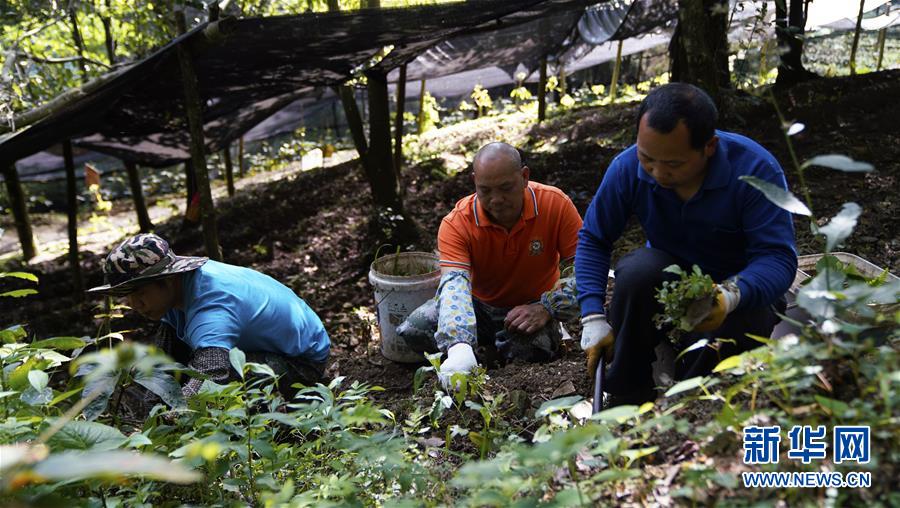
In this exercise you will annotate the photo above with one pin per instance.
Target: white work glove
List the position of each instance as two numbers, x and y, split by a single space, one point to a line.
460 358
596 340
727 300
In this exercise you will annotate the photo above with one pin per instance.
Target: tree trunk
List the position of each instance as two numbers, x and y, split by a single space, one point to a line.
19 206
108 36
370 4
379 164
391 220
789 28
421 117
561 77
137 194
699 48
241 157
79 42
354 119
859 17
190 181
333 5
72 209
193 107
614 83
542 90
229 170
882 36
398 123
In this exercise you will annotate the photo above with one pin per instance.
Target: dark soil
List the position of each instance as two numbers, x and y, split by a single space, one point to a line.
311 230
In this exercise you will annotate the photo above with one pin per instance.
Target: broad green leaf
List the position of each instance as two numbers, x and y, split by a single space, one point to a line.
637 453
63 396
12 334
238 359
729 363
839 162
112 465
34 397
690 384
63 343
38 379
696 345
18 378
836 407
557 405
616 475
20 275
82 435
261 368
18 293
19 453
795 128
618 413
782 198
840 226
104 386
163 385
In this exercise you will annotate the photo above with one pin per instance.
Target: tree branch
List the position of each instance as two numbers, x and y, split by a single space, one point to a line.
62 60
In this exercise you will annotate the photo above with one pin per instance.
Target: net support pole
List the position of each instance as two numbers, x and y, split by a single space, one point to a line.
137 194
398 122
542 90
72 212
229 169
614 84
20 211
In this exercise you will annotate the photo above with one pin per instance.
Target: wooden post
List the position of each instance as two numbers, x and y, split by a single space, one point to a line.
229 170
398 123
859 17
137 194
614 85
562 81
72 209
421 118
241 157
190 182
882 36
542 90
20 211
194 108
354 119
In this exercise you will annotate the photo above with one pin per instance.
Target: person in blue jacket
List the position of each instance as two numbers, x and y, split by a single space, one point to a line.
208 308
682 182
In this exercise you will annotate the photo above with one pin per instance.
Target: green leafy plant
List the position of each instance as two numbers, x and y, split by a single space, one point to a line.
686 301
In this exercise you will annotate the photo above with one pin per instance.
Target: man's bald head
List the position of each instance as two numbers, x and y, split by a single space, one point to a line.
496 156
500 180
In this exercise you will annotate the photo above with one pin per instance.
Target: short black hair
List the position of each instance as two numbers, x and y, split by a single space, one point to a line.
675 102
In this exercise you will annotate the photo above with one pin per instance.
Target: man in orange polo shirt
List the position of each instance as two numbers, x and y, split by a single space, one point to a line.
500 254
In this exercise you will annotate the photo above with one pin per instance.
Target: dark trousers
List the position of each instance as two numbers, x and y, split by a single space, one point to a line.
638 275
495 345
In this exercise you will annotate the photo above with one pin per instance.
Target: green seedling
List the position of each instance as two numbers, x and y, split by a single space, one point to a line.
686 301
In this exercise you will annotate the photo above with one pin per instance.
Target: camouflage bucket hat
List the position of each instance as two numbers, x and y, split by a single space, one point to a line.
141 259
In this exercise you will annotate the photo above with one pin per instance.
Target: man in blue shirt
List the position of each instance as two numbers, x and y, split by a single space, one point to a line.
213 307
681 181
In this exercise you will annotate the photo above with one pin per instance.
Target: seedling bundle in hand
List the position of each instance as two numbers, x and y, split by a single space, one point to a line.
686 301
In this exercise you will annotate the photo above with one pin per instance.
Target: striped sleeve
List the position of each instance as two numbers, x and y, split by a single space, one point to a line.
453 247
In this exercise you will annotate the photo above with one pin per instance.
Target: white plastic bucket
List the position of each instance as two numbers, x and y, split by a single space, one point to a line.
396 296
